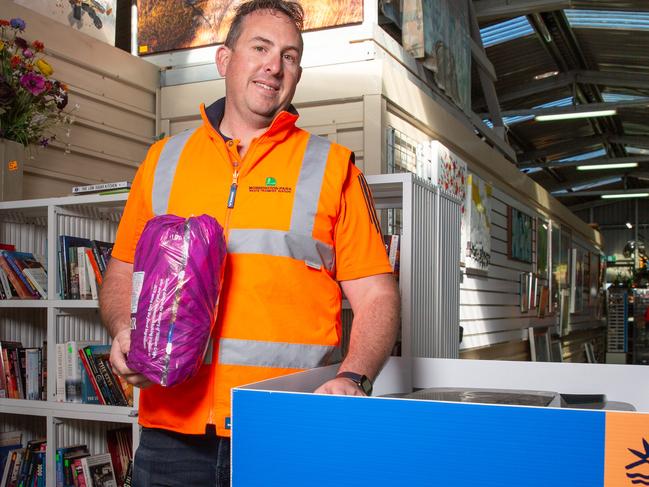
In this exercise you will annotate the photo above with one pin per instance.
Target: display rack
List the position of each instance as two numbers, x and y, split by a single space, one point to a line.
429 278
34 226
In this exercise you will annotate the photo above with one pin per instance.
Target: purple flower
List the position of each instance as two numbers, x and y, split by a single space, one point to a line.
18 24
33 83
28 53
21 43
44 142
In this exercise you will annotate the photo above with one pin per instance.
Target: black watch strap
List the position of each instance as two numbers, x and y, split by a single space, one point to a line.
362 381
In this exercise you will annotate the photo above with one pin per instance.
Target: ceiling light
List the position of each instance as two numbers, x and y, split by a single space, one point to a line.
595 167
548 74
628 225
573 115
627 195
637 150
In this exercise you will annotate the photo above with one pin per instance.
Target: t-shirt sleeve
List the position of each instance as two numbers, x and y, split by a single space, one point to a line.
359 247
137 211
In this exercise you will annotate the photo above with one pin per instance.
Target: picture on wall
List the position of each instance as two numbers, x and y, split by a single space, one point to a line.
542 249
519 235
95 18
477 247
168 25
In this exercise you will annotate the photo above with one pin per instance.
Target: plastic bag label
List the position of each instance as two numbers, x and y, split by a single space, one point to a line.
138 280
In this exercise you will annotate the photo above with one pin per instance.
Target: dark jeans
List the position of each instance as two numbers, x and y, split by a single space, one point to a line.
169 459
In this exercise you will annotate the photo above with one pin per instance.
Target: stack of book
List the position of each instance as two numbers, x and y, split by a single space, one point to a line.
84 375
23 371
76 467
25 466
82 264
22 276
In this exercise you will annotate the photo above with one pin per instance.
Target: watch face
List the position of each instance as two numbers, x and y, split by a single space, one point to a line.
366 385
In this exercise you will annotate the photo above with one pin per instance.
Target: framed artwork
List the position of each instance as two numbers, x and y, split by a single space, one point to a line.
542 248
519 235
539 344
524 296
556 351
564 312
478 213
95 18
168 25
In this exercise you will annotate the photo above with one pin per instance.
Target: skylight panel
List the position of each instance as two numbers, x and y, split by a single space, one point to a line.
616 97
595 184
506 31
531 170
608 19
585 155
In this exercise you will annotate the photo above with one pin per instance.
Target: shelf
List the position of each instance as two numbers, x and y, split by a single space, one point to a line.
49 303
91 412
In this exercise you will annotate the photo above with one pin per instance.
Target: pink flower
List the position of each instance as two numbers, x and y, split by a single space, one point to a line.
28 53
33 83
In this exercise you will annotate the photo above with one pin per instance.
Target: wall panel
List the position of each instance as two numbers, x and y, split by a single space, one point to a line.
113 99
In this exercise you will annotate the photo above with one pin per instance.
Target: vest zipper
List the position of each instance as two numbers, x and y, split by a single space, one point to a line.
231 197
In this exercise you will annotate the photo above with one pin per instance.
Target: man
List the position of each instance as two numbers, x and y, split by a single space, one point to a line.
298 218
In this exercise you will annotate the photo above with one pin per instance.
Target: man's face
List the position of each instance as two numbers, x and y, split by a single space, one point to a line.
263 68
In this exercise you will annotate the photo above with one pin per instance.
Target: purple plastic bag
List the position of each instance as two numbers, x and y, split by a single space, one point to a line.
176 283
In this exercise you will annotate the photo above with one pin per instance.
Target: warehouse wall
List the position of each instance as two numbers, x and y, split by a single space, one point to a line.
116 116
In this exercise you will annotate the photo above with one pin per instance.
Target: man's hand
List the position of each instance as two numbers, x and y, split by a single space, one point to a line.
119 349
341 386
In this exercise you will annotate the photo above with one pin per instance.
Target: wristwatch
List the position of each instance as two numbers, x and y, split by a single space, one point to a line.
362 381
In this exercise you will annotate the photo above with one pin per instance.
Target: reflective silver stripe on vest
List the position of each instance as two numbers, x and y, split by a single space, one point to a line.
281 244
166 170
309 185
273 354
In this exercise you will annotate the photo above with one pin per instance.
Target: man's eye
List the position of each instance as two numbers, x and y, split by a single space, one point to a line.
259 48
289 58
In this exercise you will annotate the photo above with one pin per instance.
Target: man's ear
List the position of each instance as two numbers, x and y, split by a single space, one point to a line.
299 75
223 55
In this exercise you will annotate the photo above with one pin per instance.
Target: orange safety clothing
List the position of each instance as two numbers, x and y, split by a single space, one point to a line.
298 217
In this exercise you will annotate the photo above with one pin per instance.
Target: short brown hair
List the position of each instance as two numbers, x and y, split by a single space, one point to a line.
292 10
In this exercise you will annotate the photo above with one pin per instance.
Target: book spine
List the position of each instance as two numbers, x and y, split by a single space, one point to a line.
92 382
73 273
21 290
99 378
110 383
13 263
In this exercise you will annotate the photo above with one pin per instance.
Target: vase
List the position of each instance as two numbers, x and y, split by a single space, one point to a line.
12 158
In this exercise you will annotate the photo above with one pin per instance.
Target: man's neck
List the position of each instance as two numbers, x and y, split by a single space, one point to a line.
234 127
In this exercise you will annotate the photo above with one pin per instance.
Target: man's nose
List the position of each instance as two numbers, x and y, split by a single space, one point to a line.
274 65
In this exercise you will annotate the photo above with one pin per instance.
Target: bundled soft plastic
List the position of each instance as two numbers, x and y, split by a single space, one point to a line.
177 277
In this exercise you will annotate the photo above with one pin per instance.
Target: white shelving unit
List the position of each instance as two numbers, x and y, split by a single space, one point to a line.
34 226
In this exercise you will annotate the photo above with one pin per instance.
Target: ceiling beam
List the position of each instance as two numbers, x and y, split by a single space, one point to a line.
580 182
601 192
487 10
573 146
633 140
562 80
613 79
588 162
588 107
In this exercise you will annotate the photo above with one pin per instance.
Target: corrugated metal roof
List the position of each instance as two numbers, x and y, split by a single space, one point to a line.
609 37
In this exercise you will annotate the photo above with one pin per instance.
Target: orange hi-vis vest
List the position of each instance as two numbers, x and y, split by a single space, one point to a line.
280 206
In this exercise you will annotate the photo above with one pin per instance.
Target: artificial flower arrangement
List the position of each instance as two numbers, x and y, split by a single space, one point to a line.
31 102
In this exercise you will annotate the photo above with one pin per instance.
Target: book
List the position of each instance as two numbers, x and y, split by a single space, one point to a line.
33 372
18 261
98 471
74 372
12 467
60 453
96 188
68 463
9 441
38 279
120 447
